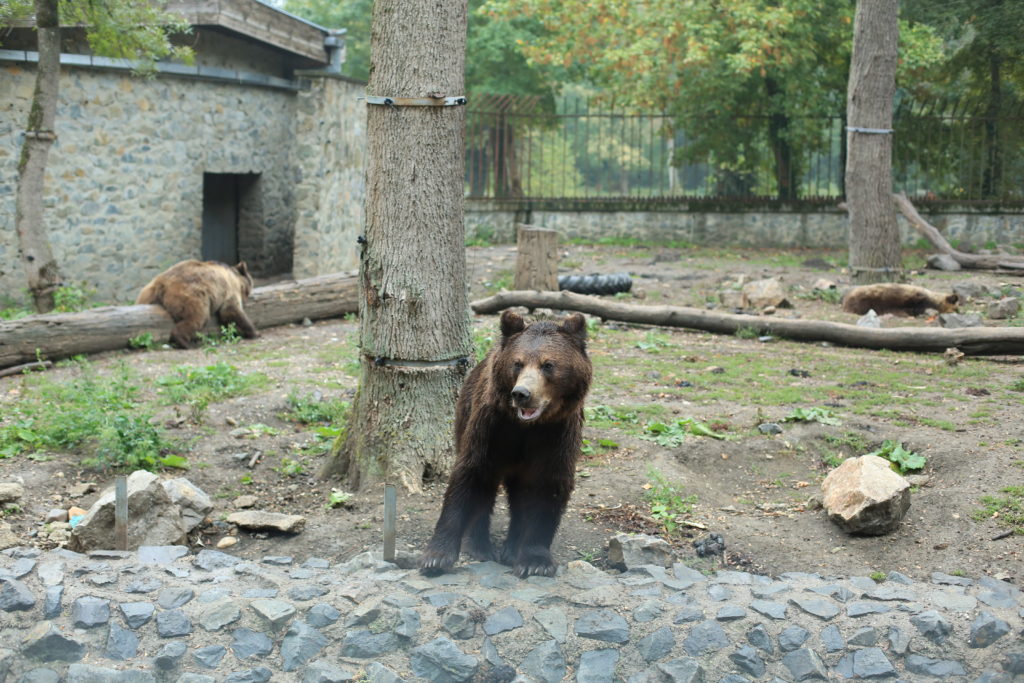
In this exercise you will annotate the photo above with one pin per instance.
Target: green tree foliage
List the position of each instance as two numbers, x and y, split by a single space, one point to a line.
745 77
495 61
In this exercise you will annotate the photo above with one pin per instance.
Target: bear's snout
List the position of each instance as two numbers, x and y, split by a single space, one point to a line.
521 395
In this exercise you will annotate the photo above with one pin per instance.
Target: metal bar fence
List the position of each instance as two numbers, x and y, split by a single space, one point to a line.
518 150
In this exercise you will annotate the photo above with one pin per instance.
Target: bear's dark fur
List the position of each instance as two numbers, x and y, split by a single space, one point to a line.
897 299
192 291
518 423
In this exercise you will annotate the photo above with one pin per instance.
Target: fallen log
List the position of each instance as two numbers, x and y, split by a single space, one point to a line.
60 335
932 234
977 341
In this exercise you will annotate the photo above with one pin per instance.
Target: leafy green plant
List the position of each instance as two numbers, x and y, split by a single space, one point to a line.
589 447
816 414
73 298
603 415
653 342
142 341
338 499
673 434
667 502
878 577
259 429
902 460
747 333
831 295
290 467
227 335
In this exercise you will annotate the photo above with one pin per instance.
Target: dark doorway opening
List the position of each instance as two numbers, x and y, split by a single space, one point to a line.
232 214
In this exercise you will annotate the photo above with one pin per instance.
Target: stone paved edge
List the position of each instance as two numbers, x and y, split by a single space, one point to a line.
162 614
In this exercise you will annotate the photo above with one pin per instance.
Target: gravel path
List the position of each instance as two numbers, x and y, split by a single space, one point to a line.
162 614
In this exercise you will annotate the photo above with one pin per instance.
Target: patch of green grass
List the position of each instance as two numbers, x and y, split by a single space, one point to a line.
142 341
747 333
653 342
102 416
832 295
338 499
290 467
314 409
1006 510
483 340
73 298
502 279
849 441
198 386
878 577
938 424
1018 385
667 502
600 446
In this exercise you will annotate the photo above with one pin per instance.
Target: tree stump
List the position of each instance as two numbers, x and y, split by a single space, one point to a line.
537 259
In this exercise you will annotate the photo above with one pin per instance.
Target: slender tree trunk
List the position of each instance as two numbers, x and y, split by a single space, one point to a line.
874 236
993 175
414 341
36 256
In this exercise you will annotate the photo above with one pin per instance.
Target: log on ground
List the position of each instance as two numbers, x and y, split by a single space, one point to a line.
977 341
60 335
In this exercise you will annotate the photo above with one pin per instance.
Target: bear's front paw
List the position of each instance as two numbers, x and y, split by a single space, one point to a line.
434 562
534 564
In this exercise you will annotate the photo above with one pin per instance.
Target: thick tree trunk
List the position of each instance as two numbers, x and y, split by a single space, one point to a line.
778 126
414 339
970 340
874 236
60 335
992 177
41 269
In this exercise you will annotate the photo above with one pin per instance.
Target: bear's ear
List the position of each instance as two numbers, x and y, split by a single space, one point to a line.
511 323
575 325
242 269
952 299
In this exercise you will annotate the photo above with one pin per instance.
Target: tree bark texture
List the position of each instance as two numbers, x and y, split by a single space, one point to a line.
536 259
60 335
414 338
874 236
41 271
970 340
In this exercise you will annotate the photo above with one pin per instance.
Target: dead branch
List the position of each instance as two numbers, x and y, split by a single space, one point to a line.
977 341
932 234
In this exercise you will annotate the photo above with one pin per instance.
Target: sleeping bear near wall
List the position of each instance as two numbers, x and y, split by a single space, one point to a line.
518 424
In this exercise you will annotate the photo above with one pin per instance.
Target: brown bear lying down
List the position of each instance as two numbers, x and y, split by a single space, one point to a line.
518 424
897 299
192 291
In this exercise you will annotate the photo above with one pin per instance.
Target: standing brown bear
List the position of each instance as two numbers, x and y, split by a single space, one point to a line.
518 423
192 291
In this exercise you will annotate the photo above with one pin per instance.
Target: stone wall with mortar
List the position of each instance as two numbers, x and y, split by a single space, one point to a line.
754 227
330 156
124 181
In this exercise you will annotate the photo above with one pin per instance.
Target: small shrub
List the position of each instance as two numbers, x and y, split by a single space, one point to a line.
227 335
142 341
73 298
902 460
667 502
338 499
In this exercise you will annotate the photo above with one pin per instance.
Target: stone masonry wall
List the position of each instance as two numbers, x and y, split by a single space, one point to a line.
124 182
330 156
756 228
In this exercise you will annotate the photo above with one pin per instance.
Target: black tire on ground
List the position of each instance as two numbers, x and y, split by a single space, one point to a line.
596 284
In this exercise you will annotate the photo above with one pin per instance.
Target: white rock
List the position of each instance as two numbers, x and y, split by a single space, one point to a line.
865 496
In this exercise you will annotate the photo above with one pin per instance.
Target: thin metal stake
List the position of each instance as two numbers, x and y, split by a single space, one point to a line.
389 523
121 513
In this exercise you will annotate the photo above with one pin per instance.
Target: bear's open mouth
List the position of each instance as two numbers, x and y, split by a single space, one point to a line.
527 414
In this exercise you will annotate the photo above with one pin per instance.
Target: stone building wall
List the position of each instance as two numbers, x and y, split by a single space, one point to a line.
330 156
124 181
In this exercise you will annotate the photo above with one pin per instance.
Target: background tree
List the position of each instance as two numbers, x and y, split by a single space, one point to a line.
413 313
874 236
115 28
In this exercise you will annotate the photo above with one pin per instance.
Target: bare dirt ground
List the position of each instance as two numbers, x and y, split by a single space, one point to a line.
755 490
